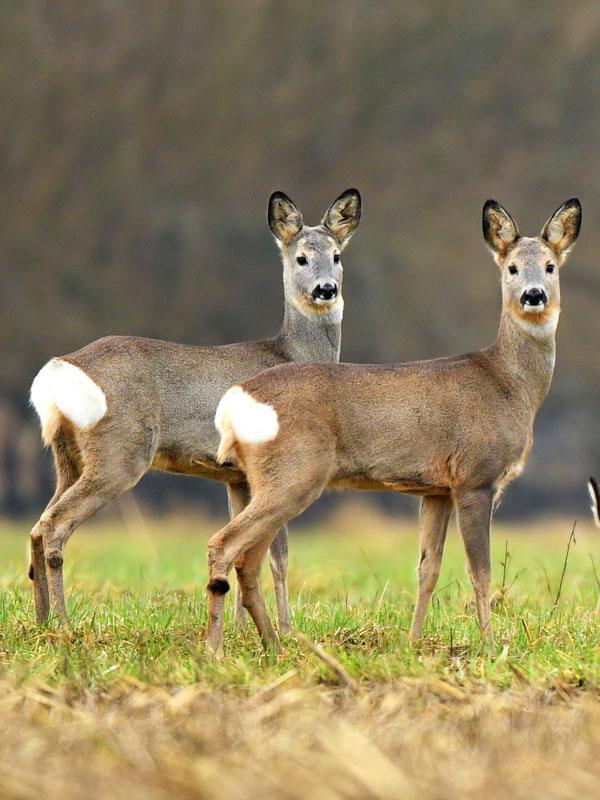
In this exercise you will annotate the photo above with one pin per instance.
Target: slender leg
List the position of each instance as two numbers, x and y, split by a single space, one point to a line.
238 496
256 526
214 631
37 573
474 514
273 504
434 517
249 580
78 503
66 462
278 561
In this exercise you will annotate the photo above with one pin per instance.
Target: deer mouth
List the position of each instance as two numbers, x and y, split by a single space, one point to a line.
325 295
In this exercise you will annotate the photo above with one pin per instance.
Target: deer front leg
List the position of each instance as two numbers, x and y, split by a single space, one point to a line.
434 517
474 514
238 496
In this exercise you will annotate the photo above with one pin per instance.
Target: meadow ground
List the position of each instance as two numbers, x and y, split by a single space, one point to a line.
126 704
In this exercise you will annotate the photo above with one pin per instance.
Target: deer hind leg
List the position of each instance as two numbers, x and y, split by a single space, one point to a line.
238 496
474 514
103 477
278 561
68 469
277 497
434 517
254 527
248 571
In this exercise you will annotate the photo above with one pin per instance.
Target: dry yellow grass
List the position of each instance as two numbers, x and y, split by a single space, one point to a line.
420 738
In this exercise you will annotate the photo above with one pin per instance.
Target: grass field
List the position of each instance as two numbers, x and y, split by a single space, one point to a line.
126 704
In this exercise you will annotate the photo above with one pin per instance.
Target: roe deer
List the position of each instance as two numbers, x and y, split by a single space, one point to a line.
595 495
453 430
124 404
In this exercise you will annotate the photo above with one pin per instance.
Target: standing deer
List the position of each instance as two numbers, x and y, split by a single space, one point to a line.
594 490
124 404
595 496
453 430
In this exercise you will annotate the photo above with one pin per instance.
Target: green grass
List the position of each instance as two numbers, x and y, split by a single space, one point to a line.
138 608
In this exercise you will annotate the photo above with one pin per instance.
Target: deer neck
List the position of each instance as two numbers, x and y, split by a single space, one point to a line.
310 336
524 355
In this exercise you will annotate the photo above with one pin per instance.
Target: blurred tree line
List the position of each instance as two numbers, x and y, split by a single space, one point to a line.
141 140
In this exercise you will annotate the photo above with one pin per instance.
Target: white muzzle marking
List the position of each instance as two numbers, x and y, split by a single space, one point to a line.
539 330
74 393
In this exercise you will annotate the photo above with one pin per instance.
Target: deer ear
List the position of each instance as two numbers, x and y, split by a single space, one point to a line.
343 215
284 218
499 228
562 229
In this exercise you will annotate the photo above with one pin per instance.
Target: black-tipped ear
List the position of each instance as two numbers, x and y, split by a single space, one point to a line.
562 229
343 215
284 218
499 228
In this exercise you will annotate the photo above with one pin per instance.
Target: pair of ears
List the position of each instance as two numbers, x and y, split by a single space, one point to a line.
341 218
500 231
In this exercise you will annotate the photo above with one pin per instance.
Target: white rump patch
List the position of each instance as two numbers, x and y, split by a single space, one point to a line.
64 386
252 422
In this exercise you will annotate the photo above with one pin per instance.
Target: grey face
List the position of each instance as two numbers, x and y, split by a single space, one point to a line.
313 267
312 263
530 278
529 265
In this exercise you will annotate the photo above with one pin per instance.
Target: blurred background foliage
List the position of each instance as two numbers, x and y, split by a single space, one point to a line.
141 140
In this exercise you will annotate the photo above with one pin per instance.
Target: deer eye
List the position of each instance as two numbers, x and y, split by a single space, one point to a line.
336 258
512 269
302 260
550 268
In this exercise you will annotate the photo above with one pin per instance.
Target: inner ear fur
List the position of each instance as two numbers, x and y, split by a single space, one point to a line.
562 229
500 230
343 215
284 218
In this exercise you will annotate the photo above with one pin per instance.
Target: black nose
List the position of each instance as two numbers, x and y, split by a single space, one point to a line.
325 292
533 297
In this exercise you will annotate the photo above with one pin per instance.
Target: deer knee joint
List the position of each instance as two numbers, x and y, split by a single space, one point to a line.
30 572
54 560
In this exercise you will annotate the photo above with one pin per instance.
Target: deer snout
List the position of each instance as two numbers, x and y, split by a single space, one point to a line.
325 292
534 297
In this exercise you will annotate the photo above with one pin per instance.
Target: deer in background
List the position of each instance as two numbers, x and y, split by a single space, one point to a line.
453 430
594 490
124 404
595 496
